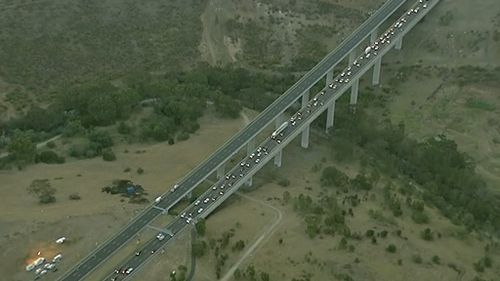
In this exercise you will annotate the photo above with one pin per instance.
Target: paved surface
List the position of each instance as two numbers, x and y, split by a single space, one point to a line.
231 147
238 175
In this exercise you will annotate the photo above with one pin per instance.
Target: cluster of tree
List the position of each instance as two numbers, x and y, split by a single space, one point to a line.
135 192
251 274
483 263
49 157
179 274
331 176
99 143
22 149
325 216
179 100
43 190
199 248
447 176
392 201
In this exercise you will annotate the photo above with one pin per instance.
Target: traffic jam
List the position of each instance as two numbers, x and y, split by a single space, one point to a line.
232 179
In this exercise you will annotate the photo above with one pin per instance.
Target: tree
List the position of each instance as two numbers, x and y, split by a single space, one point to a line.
360 182
101 139
331 176
436 259
238 246
199 248
286 196
391 248
49 157
108 155
22 148
264 276
201 227
43 190
226 106
237 274
427 235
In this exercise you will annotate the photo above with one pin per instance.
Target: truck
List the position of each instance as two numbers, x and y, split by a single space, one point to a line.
278 131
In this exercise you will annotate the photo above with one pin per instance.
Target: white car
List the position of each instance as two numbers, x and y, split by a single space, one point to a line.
257 160
129 270
158 199
206 200
57 258
160 236
200 210
197 202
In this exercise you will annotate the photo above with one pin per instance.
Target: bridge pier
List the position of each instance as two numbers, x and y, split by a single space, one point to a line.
251 146
352 56
220 171
277 158
373 36
376 71
399 43
330 115
279 120
329 80
249 181
354 91
304 142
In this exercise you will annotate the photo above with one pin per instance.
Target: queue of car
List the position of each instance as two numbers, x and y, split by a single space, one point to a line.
278 134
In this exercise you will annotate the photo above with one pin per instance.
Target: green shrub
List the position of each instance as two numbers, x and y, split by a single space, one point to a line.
49 157
182 136
108 155
419 217
427 235
284 182
140 171
391 248
436 260
416 259
75 196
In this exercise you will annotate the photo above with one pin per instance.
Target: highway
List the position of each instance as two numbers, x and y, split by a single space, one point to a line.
248 166
231 147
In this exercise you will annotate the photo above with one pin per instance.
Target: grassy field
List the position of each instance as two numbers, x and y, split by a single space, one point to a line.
27 227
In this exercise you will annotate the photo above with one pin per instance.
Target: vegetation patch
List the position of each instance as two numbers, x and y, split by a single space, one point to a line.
126 188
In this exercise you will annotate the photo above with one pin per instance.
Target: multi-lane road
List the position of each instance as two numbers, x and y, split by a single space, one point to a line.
238 175
232 146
